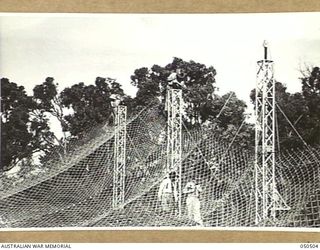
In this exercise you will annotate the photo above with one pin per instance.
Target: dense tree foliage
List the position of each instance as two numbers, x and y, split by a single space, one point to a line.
196 80
21 133
49 103
228 119
202 105
311 94
91 105
25 119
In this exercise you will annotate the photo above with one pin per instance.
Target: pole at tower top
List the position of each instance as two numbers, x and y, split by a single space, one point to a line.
265 45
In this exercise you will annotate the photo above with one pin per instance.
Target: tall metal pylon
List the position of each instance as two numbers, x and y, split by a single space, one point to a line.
174 148
119 168
267 198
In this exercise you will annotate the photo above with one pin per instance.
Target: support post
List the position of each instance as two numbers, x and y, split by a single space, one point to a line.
267 198
174 149
265 142
119 169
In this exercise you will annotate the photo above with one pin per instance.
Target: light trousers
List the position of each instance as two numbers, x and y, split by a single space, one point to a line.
193 208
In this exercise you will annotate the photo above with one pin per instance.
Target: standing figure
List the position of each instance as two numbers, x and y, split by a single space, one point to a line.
193 203
115 101
168 194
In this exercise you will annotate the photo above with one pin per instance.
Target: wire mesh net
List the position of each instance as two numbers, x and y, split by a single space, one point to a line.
76 189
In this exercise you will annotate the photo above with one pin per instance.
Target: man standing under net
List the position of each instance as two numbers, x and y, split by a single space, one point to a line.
193 191
168 194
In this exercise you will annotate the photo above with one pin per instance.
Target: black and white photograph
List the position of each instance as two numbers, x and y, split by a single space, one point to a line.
160 121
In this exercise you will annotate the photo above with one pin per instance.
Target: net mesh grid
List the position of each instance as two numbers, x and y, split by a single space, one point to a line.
76 190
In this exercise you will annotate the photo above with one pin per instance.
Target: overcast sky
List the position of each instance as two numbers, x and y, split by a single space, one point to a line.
78 48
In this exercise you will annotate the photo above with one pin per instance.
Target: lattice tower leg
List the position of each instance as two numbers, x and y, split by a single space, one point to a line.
119 170
174 150
265 143
267 198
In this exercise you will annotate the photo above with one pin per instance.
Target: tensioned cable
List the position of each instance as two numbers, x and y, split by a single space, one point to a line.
292 125
295 130
220 112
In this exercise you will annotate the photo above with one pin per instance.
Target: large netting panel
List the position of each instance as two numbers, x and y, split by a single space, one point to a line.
205 158
145 161
62 198
226 175
299 182
220 169
142 207
297 178
229 198
76 189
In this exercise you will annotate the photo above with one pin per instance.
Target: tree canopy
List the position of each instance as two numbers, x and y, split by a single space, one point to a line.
21 133
25 119
91 104
202 104
311 95
196 79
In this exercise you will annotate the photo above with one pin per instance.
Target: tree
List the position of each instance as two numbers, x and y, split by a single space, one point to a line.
202 105
91 105
196 80
228 119
48 102
25 126
311 93
20 135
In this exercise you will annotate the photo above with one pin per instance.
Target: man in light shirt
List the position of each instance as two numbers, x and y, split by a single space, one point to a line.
168 194
176 79
193 191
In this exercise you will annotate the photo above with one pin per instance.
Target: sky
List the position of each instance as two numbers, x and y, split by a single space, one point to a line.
75 48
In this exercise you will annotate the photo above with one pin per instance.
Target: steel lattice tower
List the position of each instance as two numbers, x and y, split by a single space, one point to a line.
174 149
119 157
267 198
265 141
